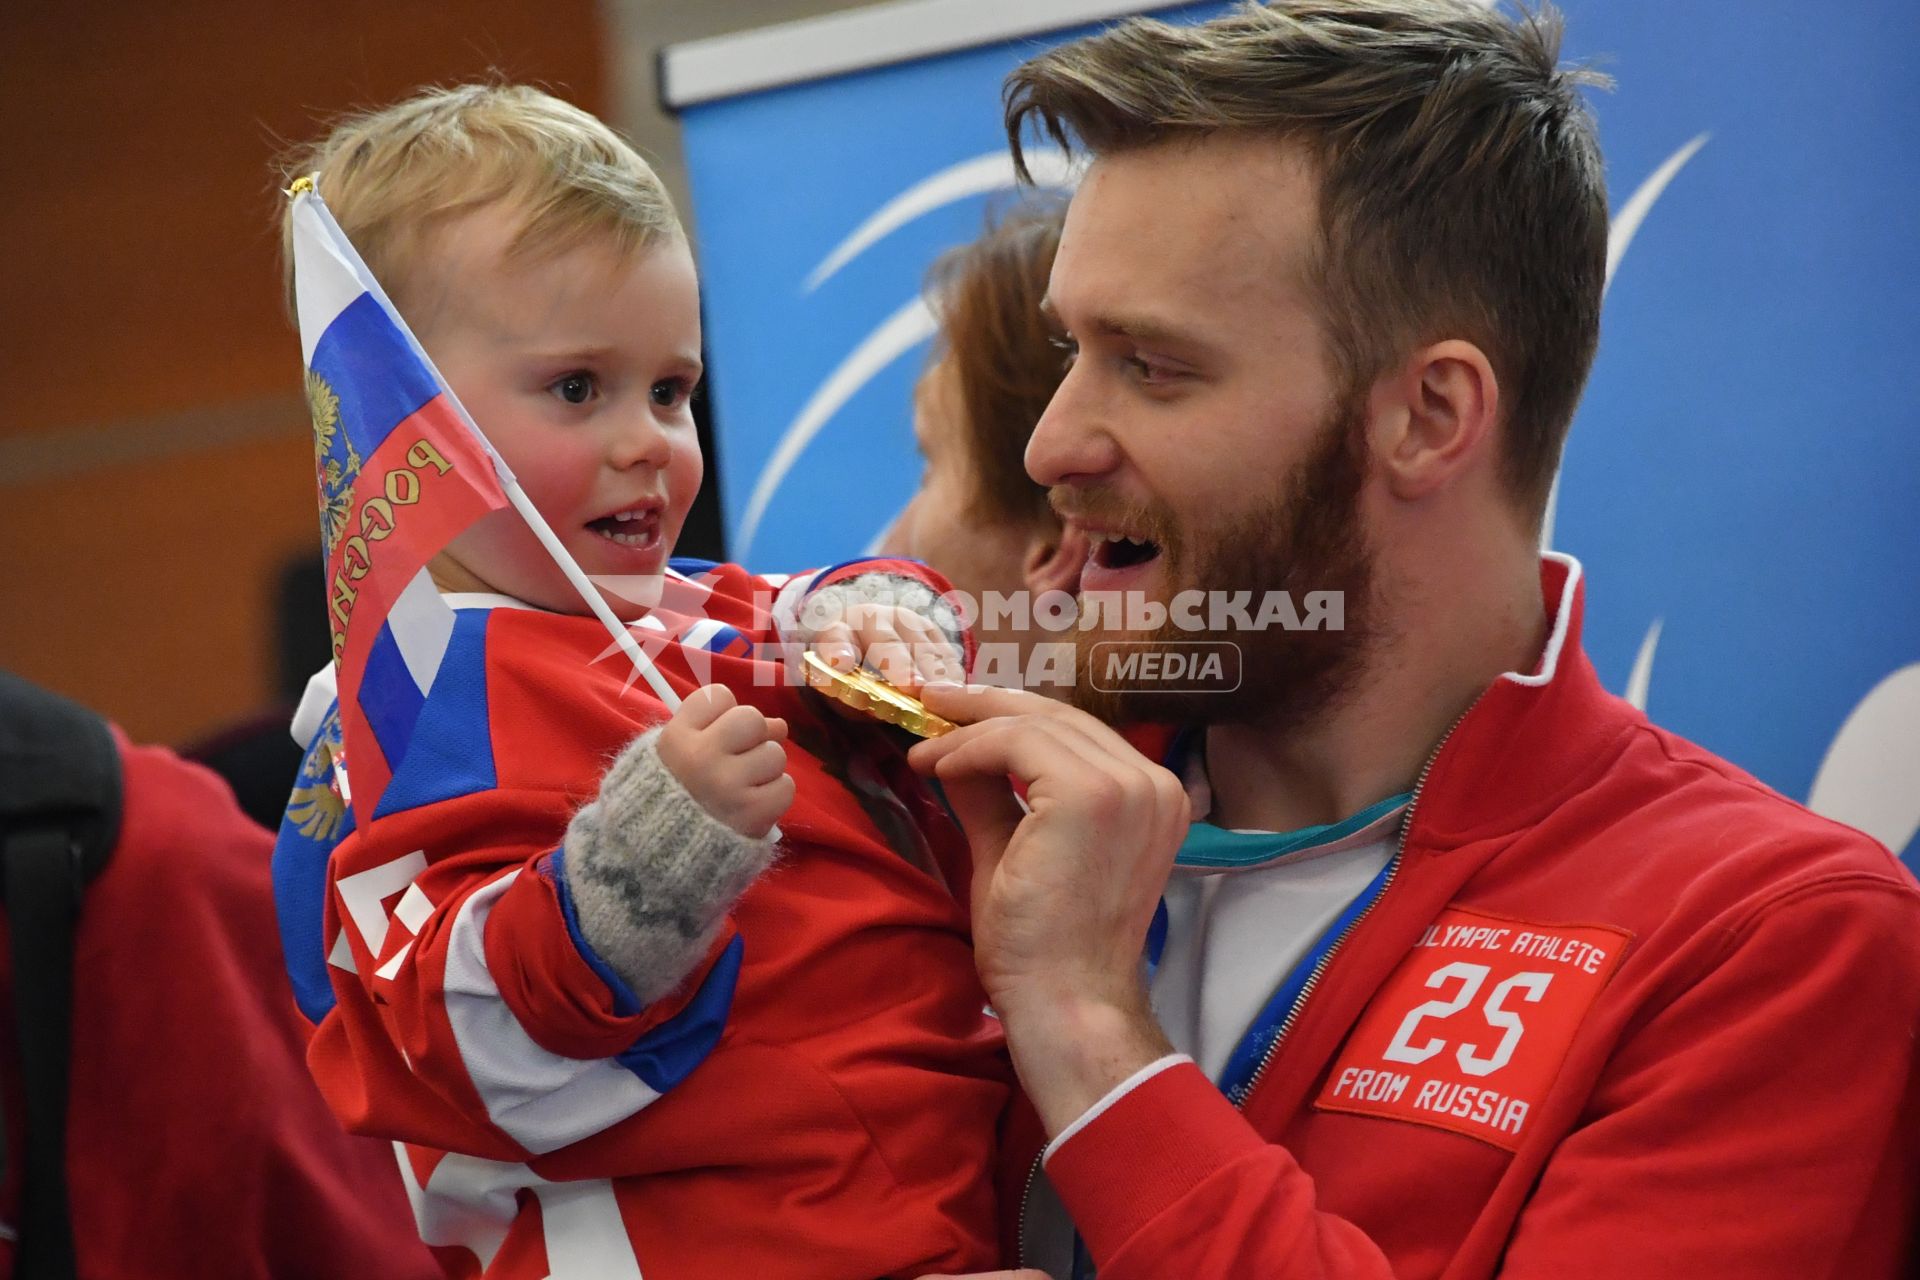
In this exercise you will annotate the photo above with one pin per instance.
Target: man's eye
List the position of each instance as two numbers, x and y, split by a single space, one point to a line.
669 392
1069 349
575 388
1153 375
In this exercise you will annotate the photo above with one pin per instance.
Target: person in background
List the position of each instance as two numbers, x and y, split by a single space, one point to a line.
196 1142
977 518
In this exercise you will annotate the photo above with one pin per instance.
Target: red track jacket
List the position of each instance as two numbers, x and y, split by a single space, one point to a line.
1622 1011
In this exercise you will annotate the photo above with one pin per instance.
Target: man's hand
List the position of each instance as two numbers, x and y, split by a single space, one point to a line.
729 758
1064 889
906 648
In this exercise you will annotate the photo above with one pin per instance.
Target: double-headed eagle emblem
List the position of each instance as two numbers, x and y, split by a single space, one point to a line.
317 806
336 462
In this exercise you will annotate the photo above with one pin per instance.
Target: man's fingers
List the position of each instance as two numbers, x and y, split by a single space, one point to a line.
967 703
988 811
1027 749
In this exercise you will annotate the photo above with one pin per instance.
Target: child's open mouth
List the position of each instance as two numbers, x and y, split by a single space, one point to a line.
634 527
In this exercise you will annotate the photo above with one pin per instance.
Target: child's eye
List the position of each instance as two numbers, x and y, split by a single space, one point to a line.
669 392
575 388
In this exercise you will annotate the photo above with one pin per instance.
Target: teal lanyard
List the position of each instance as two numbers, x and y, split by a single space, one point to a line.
1217 848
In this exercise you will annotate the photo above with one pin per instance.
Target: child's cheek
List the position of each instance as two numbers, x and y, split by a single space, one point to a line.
685 474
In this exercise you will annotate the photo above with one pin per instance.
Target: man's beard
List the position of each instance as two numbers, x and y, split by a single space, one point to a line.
1306 539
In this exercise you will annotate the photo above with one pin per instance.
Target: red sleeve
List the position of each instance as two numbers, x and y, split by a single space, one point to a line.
480 1021
1759 1124
1172 1181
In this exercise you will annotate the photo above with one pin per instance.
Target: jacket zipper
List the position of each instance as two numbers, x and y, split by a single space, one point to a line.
1026 1198
1393 871
1313 979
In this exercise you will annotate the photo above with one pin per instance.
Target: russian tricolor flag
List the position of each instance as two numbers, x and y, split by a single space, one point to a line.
401 471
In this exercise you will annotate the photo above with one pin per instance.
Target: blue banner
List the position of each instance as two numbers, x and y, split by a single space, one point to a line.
1743 479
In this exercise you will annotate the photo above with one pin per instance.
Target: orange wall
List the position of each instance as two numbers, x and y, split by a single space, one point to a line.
141 339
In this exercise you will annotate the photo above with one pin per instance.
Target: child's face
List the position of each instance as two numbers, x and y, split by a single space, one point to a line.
578 366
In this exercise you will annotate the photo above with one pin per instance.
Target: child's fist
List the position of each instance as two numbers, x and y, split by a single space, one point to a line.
908 649
729 758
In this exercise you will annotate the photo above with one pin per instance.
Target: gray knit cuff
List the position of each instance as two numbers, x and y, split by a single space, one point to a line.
829 604
652 874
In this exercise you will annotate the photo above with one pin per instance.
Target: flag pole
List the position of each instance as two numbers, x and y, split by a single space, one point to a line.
509 483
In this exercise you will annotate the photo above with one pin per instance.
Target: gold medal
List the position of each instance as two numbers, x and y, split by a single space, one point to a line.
868 693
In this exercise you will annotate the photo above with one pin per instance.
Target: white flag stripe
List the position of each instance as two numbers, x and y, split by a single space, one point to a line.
422 625
328 283
700 632
541 1100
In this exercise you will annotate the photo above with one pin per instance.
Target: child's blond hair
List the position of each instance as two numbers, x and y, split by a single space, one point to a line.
393 175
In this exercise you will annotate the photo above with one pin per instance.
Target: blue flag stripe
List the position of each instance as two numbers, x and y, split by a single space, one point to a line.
365 360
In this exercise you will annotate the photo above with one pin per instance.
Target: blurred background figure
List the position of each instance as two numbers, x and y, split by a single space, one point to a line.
195 1142
995 364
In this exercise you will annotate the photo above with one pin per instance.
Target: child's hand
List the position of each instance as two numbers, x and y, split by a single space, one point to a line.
728 757
905 647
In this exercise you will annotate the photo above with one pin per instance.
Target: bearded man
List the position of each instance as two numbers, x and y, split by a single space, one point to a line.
1417 953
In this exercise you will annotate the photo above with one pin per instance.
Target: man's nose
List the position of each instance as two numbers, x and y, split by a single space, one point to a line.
1073 439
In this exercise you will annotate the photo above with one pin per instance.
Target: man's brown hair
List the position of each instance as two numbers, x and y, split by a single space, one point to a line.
1461 185
1000 346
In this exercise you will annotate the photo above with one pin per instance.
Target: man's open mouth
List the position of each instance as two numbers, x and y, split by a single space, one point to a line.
1118 551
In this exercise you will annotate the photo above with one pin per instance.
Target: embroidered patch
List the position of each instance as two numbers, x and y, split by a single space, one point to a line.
1471 1029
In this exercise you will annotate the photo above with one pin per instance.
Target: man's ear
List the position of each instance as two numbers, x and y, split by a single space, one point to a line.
1435 418
1055 556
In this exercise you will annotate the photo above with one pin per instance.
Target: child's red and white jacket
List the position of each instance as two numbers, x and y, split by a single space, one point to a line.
819 1098
1621 1011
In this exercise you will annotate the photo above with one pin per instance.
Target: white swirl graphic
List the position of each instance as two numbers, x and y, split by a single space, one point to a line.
1050 167
898 334
1620 233
1870 777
